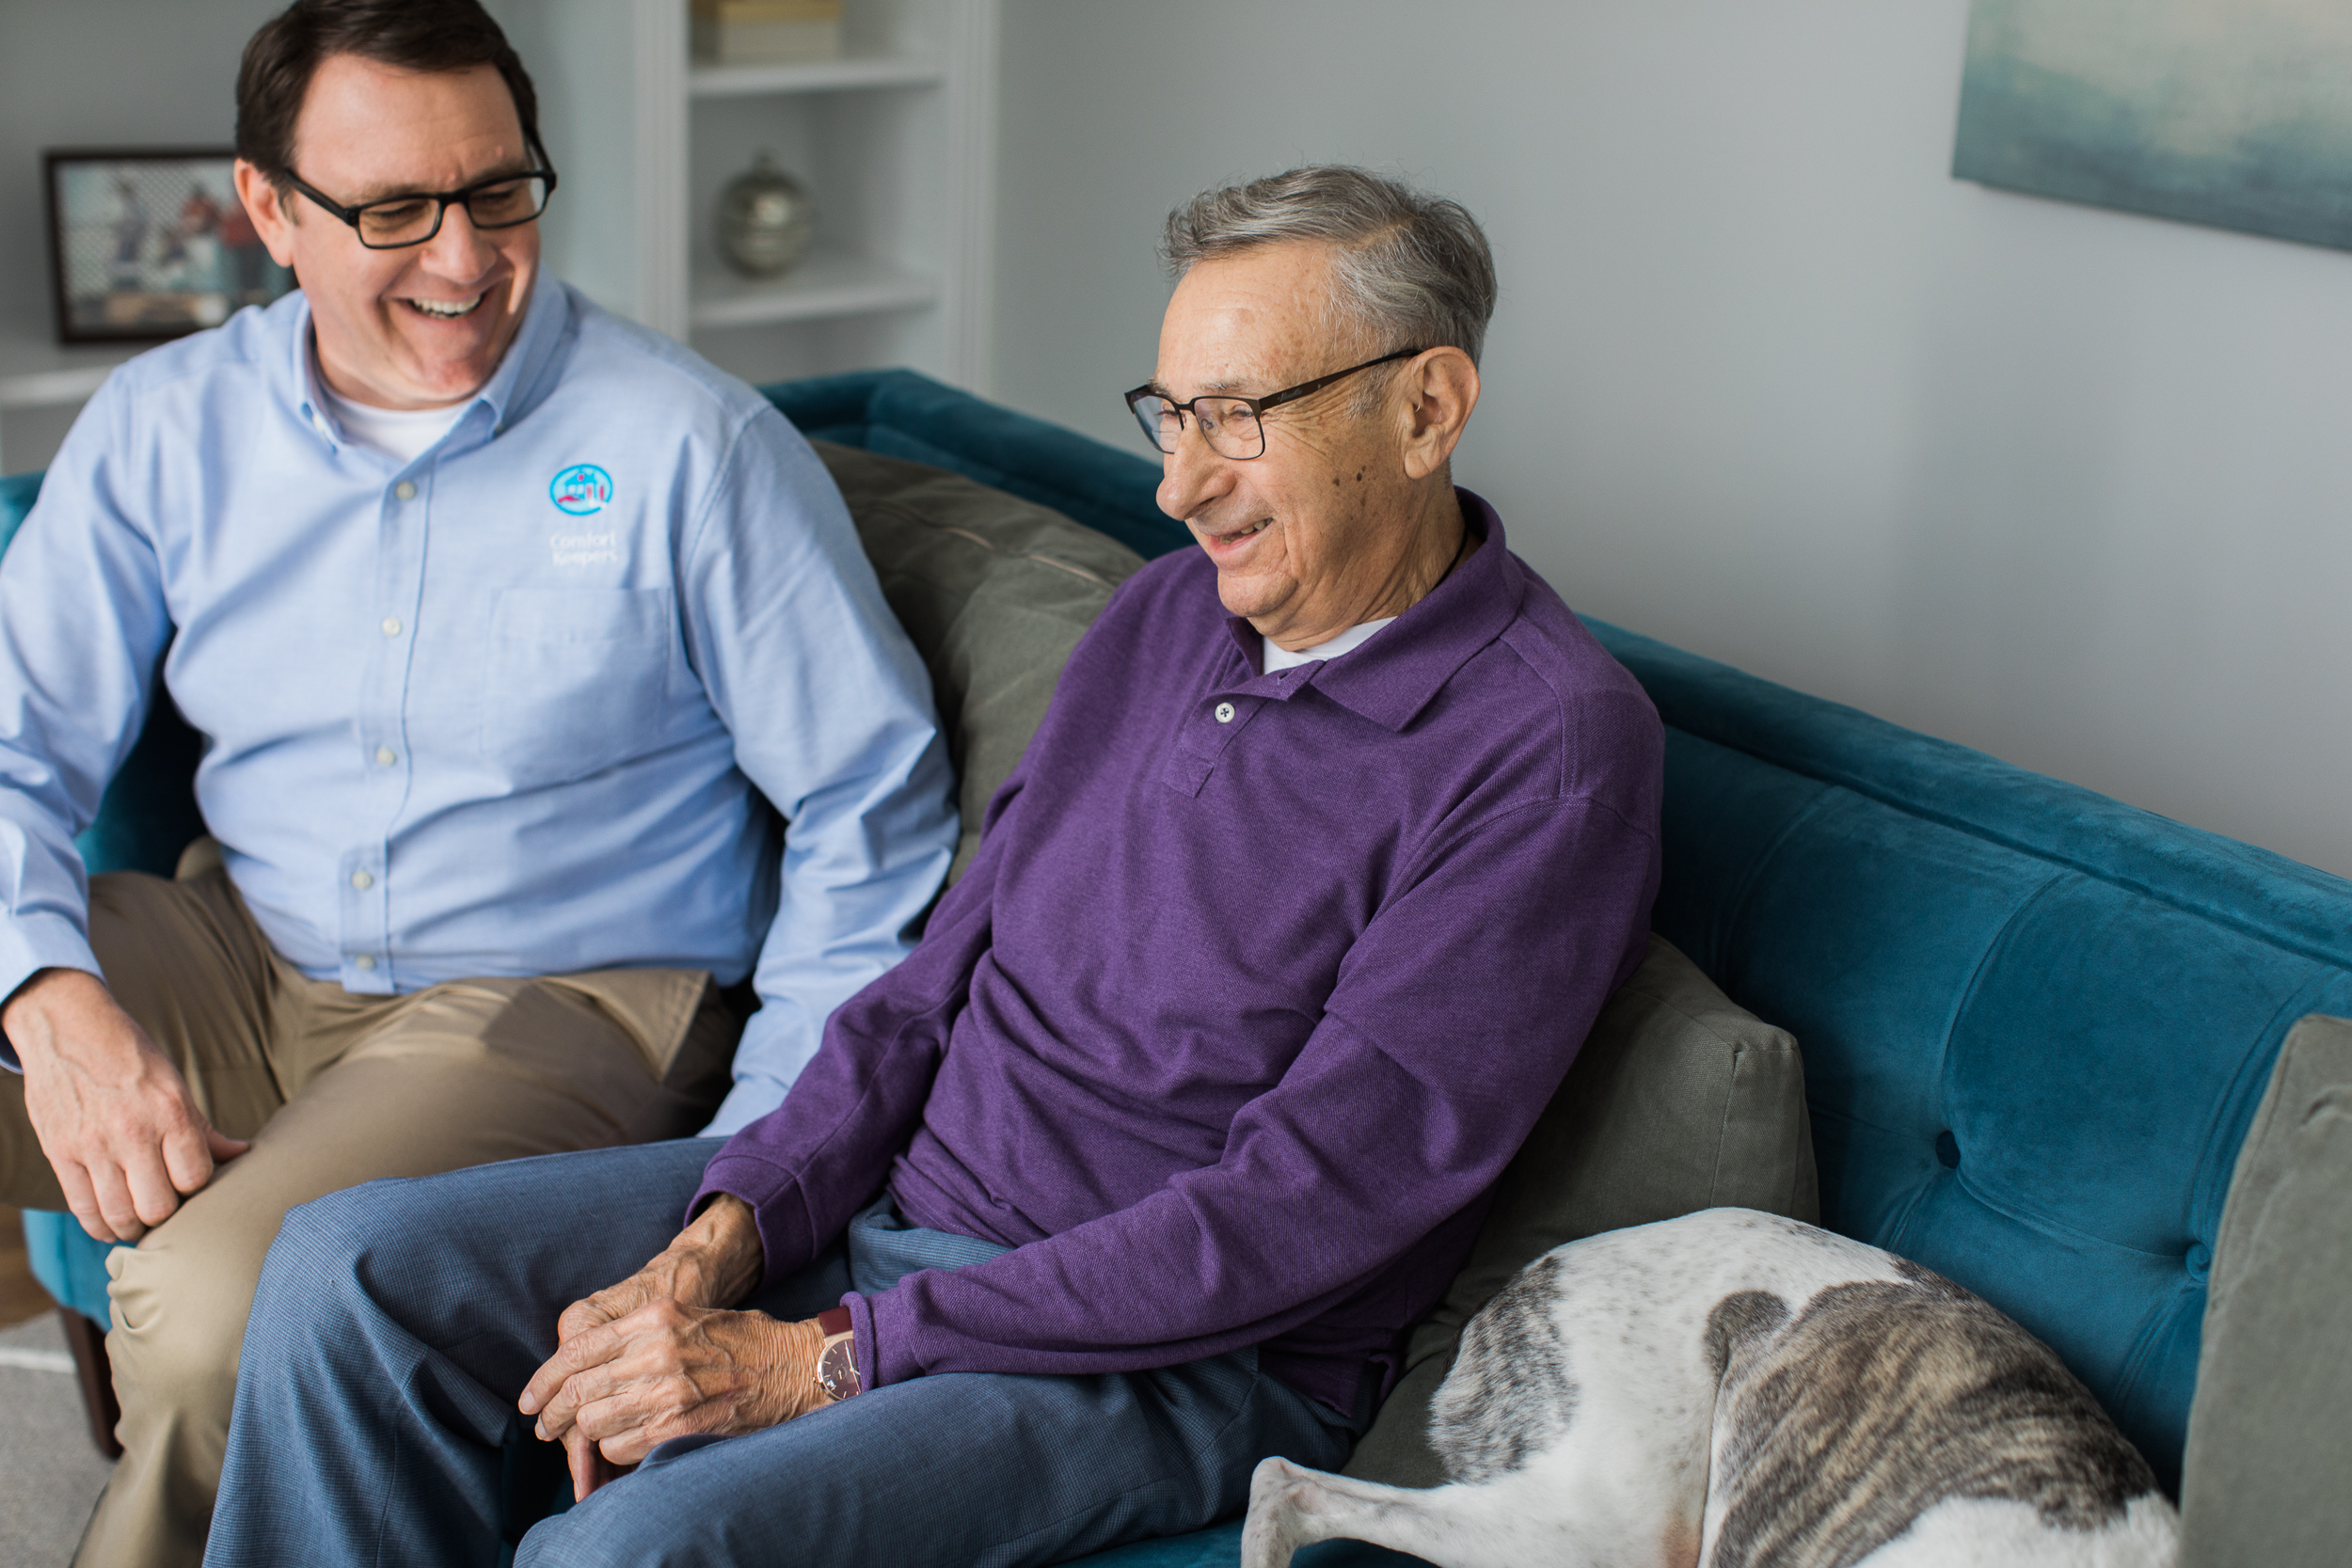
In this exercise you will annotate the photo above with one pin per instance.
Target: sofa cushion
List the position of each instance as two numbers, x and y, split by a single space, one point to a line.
1680 1100
903 414
2263 1477
995 592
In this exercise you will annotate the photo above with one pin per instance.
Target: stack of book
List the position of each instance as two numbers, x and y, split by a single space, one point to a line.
766 32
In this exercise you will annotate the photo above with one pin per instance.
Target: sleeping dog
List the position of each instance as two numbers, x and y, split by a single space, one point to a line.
1735 1389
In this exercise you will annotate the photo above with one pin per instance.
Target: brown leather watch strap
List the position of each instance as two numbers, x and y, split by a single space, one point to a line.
833 1320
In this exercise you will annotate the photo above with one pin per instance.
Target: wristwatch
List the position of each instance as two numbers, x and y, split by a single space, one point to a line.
836 1359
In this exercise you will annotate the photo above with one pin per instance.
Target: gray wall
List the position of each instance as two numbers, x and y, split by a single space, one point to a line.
96 73
2068 485
104 74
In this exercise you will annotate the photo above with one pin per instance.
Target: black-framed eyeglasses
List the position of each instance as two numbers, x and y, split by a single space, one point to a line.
404 220
1234 427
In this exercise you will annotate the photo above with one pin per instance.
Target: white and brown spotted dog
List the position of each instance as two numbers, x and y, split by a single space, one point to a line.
1736 1390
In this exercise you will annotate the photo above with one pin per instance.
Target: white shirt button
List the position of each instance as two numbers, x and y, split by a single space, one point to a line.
1224 713
405 490
391 625
362 880
386 756
365 961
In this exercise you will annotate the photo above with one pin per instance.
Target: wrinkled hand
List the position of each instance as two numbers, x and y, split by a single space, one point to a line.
113 1115
667 1371
713 1262
653 1358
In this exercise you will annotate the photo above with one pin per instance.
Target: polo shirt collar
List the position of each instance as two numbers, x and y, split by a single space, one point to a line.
509 391
1390 679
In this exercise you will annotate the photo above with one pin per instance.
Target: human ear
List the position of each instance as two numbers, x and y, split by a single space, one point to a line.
272 215
1442 389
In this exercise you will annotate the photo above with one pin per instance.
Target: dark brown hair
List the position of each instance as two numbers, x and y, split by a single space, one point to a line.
410 35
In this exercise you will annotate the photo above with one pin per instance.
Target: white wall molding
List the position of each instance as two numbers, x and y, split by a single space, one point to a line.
972 115
660 212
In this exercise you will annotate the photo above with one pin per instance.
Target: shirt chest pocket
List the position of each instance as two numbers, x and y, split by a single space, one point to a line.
575 680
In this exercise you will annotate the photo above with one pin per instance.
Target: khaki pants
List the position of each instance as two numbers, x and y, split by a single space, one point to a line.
334 1089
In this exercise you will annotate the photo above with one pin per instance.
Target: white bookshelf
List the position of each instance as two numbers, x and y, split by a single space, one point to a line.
896 141
874 70
826 286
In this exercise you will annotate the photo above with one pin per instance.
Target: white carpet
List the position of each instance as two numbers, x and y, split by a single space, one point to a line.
50 1475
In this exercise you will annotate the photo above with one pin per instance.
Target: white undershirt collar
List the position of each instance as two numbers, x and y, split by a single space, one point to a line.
1279 657
402 434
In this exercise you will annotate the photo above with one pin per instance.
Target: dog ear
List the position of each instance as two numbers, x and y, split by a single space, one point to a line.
1739 1326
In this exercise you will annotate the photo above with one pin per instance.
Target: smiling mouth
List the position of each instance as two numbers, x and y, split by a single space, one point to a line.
1239 534
446 309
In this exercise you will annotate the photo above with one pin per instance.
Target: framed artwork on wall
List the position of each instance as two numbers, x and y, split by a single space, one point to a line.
146 244
2230 113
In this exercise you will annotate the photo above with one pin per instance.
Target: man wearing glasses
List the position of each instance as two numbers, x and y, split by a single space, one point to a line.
503 622
1337 834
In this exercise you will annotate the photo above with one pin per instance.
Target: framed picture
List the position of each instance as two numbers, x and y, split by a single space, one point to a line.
2219 112
146 244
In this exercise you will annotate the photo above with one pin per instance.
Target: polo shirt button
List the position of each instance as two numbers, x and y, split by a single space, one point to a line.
362 880
386 756
365 961
1224 713
391 625
405 490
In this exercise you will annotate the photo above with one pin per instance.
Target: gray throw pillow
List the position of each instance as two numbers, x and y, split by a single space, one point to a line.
2271 1426
1680 1100
993 590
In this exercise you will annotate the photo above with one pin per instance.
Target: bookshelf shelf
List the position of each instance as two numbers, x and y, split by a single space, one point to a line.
843 75
829 284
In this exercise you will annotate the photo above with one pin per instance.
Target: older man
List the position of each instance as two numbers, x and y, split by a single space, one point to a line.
1337 834
500 617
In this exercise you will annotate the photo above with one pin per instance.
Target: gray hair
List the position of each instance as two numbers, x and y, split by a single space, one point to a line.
1409 269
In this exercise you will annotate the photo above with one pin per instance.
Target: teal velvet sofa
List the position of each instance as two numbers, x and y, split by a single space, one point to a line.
2036 1022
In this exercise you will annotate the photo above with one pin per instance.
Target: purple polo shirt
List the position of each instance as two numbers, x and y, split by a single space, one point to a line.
1255 985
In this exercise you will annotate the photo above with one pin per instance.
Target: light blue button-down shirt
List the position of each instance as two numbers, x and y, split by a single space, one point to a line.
507 709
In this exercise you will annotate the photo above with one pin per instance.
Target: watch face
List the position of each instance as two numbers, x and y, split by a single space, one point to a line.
837 1369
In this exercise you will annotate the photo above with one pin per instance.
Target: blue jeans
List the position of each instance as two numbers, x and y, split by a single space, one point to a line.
397 1323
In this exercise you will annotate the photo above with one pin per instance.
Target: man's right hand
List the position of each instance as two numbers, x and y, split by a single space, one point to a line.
113 1115
712 1263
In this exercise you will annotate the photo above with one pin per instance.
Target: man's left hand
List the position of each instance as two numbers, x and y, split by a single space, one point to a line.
666 1371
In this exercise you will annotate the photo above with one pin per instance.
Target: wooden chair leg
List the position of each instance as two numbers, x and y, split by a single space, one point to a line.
88 1341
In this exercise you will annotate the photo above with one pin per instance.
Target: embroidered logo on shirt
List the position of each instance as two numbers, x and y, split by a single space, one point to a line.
580 489
585 549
